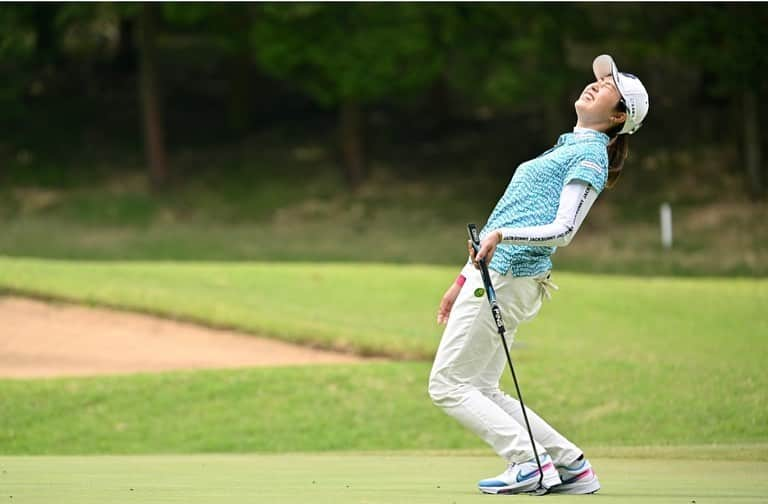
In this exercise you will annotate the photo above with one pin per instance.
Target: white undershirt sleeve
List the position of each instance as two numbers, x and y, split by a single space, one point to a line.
575 201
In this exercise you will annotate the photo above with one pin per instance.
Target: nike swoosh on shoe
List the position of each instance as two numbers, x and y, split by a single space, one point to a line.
522 477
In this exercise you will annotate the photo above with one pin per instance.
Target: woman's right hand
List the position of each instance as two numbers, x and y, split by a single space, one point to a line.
447 303
487 248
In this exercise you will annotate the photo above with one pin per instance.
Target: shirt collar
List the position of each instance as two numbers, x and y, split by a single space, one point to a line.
581 135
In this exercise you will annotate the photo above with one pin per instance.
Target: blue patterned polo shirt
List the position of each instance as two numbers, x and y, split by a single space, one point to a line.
533 196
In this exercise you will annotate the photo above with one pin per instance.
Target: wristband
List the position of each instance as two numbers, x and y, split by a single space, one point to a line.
460 280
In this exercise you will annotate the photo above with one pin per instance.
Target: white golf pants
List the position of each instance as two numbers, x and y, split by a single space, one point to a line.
470 361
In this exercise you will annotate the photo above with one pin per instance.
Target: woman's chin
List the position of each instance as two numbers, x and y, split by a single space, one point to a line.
580 106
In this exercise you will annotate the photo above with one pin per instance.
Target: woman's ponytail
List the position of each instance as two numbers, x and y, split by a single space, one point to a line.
618 149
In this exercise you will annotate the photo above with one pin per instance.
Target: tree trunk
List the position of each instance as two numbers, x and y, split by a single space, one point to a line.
125 56
154 140
351 122
752 154
46 44
440 105
239 116
239 63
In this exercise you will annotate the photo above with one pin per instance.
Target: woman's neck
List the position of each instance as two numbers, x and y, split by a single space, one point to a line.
590 125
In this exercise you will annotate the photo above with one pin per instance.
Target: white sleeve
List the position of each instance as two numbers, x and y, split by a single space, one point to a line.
575 201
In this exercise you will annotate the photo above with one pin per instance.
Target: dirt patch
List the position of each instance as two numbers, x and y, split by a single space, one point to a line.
40 339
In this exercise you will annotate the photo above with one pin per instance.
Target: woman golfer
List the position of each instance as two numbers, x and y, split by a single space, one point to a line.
542 208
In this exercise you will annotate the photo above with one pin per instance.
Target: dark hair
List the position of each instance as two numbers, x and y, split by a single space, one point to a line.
618 149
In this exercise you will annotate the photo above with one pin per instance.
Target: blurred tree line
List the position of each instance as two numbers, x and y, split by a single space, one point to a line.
703 64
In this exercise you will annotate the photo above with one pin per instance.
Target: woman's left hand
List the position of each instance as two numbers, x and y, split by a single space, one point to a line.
487 248
446 304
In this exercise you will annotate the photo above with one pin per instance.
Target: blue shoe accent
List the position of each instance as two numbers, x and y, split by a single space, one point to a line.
491 483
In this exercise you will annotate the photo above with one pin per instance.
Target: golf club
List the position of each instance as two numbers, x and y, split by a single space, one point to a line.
474 237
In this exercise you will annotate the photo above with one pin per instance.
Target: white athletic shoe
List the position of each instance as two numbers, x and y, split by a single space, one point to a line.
522 478
577 479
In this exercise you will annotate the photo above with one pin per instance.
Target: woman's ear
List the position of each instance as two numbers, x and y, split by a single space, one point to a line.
618 117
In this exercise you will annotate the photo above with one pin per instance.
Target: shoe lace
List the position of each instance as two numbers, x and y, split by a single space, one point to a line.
512 467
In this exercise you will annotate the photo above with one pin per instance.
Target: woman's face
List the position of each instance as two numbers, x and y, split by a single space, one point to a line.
597 103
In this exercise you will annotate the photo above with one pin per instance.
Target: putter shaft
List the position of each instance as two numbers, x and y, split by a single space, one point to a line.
474 237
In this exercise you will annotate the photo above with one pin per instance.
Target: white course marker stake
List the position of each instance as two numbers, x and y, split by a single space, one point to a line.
666 226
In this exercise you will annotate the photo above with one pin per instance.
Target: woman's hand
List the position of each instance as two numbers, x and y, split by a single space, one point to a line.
447 303
487 248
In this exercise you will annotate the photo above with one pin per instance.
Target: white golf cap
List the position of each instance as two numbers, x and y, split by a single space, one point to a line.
631 89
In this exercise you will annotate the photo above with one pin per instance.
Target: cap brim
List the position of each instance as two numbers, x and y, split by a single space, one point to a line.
604 66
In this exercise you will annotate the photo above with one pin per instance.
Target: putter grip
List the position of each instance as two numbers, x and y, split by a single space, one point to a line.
474 236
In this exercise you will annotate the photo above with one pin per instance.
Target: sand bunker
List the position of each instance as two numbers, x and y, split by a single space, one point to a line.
40 339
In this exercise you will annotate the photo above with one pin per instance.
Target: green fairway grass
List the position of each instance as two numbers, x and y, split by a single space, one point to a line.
381 406
349 478
610 361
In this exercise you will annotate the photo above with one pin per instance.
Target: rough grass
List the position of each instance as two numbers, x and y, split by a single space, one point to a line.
382 406
272 218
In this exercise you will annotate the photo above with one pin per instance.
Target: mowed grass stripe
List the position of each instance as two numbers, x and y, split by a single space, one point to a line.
390 309
381 406
381 479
